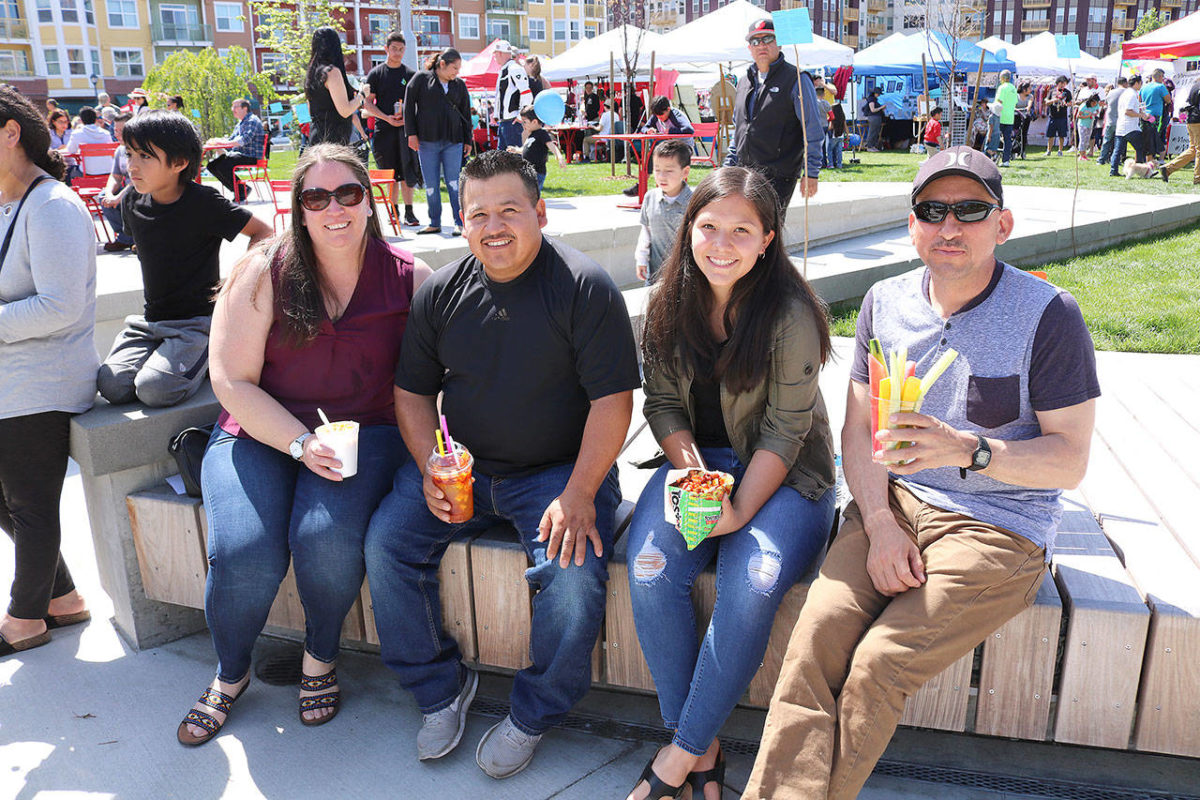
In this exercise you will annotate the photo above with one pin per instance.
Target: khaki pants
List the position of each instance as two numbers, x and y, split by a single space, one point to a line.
856 655
1189 156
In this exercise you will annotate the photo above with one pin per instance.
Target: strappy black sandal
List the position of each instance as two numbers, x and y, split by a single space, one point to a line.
333 699
217 701
658 787
702 778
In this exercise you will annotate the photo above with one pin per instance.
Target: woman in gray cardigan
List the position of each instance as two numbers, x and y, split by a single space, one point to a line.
48 366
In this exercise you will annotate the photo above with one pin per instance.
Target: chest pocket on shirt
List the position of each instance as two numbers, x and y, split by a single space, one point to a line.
992 402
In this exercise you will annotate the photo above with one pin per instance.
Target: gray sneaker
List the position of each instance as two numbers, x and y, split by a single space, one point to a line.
505 750
441 731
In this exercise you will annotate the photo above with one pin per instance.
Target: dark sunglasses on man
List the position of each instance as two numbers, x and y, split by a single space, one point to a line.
965 211
759 41
347 195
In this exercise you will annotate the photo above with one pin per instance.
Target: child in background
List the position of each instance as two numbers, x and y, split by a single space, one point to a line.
537 145
931 137
1085 120
664 206
177 225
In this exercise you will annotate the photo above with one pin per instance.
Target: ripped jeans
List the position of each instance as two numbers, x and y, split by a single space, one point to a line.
699 682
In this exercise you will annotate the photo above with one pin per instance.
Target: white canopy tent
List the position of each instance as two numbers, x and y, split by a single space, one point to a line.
1037 57
1110 64
720 37
591 56
994 44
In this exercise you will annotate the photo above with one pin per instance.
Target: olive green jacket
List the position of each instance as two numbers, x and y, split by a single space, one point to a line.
785 414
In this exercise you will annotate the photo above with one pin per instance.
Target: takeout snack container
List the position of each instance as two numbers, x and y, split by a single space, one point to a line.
694 514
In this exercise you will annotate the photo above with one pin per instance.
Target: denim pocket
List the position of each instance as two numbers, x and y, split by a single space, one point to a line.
992 402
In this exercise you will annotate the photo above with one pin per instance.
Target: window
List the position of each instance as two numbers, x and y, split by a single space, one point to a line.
128 63
89 14
179 22
122 13
274 63
95 59
229 17
1008 18
1058 15
560 30
14 63
1095 40
537 30
589 32
468 26
377 59
69 11
497 29
44 14
574 31
75 63
429 24
52 65
222 53
1071 16
378 28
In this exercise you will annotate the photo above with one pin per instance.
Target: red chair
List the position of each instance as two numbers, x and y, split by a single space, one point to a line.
381 186
89 189
94 151
254 174
706 136
278 188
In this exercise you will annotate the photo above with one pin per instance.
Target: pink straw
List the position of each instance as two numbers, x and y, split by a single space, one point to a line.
449 441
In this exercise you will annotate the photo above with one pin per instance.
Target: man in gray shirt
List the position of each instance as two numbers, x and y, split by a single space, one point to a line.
944 546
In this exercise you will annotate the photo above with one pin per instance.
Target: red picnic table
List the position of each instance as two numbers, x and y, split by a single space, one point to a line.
566 138
647 142
213 148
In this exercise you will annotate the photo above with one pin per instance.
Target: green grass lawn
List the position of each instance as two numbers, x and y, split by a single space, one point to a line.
1142 296
1037 170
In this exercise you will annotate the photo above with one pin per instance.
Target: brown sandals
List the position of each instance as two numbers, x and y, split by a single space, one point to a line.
63 620
217 701
7 648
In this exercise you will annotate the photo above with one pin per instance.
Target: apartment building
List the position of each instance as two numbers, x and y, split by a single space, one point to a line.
1101 25
556 25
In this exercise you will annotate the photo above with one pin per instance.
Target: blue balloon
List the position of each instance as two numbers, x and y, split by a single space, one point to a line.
549 107
855 139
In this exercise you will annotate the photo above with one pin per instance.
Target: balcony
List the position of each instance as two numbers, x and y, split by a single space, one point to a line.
849 15
1171 3
850 40
876 29
434 41
664 18
1123 24
1041 3
876 6
1125 2
506 6
14 29
430 5
181 34
1035 25
519 42
598 11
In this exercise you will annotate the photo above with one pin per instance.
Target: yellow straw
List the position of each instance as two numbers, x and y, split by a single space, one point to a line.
441 444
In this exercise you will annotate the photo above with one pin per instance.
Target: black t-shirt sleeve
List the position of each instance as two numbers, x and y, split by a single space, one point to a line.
225 219
1062 367
419 371
859 370
606 358
373 81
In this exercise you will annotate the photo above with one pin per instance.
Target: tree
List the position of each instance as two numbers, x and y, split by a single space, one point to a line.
1151 20
208 85
958 21
630 15
286 26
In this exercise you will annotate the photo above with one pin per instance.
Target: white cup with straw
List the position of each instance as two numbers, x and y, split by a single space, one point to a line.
342 438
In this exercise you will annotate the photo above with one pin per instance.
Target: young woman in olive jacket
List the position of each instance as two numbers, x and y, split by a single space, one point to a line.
733 345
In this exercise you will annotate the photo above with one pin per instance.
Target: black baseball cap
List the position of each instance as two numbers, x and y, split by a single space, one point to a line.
961 160
761 26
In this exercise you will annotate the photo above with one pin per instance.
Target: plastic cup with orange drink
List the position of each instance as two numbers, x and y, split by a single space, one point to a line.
451 473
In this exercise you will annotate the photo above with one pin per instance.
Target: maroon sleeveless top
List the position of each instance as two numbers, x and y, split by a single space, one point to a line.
349 368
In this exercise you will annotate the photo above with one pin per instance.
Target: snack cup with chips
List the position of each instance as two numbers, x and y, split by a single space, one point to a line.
695 513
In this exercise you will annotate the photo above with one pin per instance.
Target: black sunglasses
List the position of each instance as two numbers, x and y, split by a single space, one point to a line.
347 195
966 211
757 40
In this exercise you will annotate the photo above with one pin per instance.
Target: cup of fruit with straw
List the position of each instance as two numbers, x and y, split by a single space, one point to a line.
693 499
895 388
449 467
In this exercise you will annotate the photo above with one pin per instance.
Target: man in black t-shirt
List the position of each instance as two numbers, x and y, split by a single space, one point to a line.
529 343
1058 107
161 357
590 103
387 83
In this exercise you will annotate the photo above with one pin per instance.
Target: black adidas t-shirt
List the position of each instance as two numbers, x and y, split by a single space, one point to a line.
519 362
388 85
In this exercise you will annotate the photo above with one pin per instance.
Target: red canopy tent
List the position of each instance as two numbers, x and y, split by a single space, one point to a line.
482 71
1177 40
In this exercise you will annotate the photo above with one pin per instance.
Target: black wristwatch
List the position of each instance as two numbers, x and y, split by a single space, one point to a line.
979 459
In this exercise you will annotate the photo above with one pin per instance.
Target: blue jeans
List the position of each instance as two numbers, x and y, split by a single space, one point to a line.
833 151
404 546
441 160
509 133
263 506
117 223
1120 148
1006 132
541 181
1110 140
699 682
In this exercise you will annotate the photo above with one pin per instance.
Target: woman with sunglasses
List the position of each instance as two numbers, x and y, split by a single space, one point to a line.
311 320
437 121
734 342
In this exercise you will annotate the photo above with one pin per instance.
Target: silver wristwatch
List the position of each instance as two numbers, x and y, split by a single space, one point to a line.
296 448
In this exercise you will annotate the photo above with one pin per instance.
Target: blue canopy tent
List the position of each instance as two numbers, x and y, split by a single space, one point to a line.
899 54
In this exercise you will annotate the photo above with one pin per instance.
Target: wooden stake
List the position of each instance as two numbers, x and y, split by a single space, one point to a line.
804 173
975 100
612 102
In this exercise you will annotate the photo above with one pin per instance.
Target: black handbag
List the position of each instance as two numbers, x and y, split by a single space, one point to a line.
187 448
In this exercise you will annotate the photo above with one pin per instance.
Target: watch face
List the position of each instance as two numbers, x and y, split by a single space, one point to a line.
981 458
